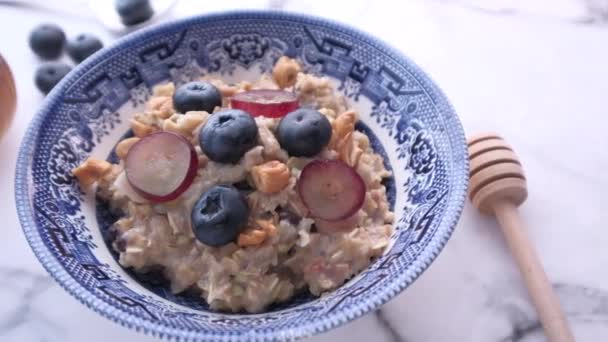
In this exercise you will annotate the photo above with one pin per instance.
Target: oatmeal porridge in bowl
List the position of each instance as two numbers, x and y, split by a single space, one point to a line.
246 206
241 176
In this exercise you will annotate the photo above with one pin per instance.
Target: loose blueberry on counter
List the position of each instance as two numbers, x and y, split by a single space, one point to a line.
49 74
304 132
197 95
220 215
227 135
82 46
133 12
47 41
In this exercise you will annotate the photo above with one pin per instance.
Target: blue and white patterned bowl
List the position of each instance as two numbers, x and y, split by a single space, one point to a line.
408 118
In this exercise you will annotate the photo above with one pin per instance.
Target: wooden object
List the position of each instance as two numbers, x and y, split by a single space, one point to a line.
497 187
8 96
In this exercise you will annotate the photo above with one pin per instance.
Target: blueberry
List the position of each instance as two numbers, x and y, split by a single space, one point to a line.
304 132
82 46
133 12
49 74
197 96
47 41
219 215
227 135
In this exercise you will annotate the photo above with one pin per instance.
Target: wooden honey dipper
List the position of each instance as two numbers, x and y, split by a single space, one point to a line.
497 187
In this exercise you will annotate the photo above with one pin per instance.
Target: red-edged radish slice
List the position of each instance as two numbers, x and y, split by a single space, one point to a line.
161 166
331 189
265 102
122 185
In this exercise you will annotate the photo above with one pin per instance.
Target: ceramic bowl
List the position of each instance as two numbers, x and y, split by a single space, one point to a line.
409 120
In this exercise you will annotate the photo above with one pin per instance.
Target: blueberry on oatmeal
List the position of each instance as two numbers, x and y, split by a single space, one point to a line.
219 215
304 132
197 96
227 135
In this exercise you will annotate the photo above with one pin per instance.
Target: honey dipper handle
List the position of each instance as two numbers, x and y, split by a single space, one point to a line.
547 305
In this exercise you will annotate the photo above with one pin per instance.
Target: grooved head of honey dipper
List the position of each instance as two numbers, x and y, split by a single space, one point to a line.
495 173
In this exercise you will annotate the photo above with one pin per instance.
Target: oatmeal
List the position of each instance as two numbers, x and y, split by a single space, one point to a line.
246 193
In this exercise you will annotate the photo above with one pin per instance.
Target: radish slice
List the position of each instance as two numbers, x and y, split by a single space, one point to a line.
122 185
266 102
161 166
331 189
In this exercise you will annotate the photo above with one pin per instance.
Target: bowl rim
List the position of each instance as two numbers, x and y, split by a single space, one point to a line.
456 195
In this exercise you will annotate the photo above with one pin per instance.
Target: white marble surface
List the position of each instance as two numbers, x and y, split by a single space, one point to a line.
535 71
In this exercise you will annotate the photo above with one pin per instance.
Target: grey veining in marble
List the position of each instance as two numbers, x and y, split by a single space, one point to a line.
387 326
20 291
588 11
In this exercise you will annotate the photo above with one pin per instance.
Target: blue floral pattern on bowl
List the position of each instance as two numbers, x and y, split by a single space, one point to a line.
409 120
